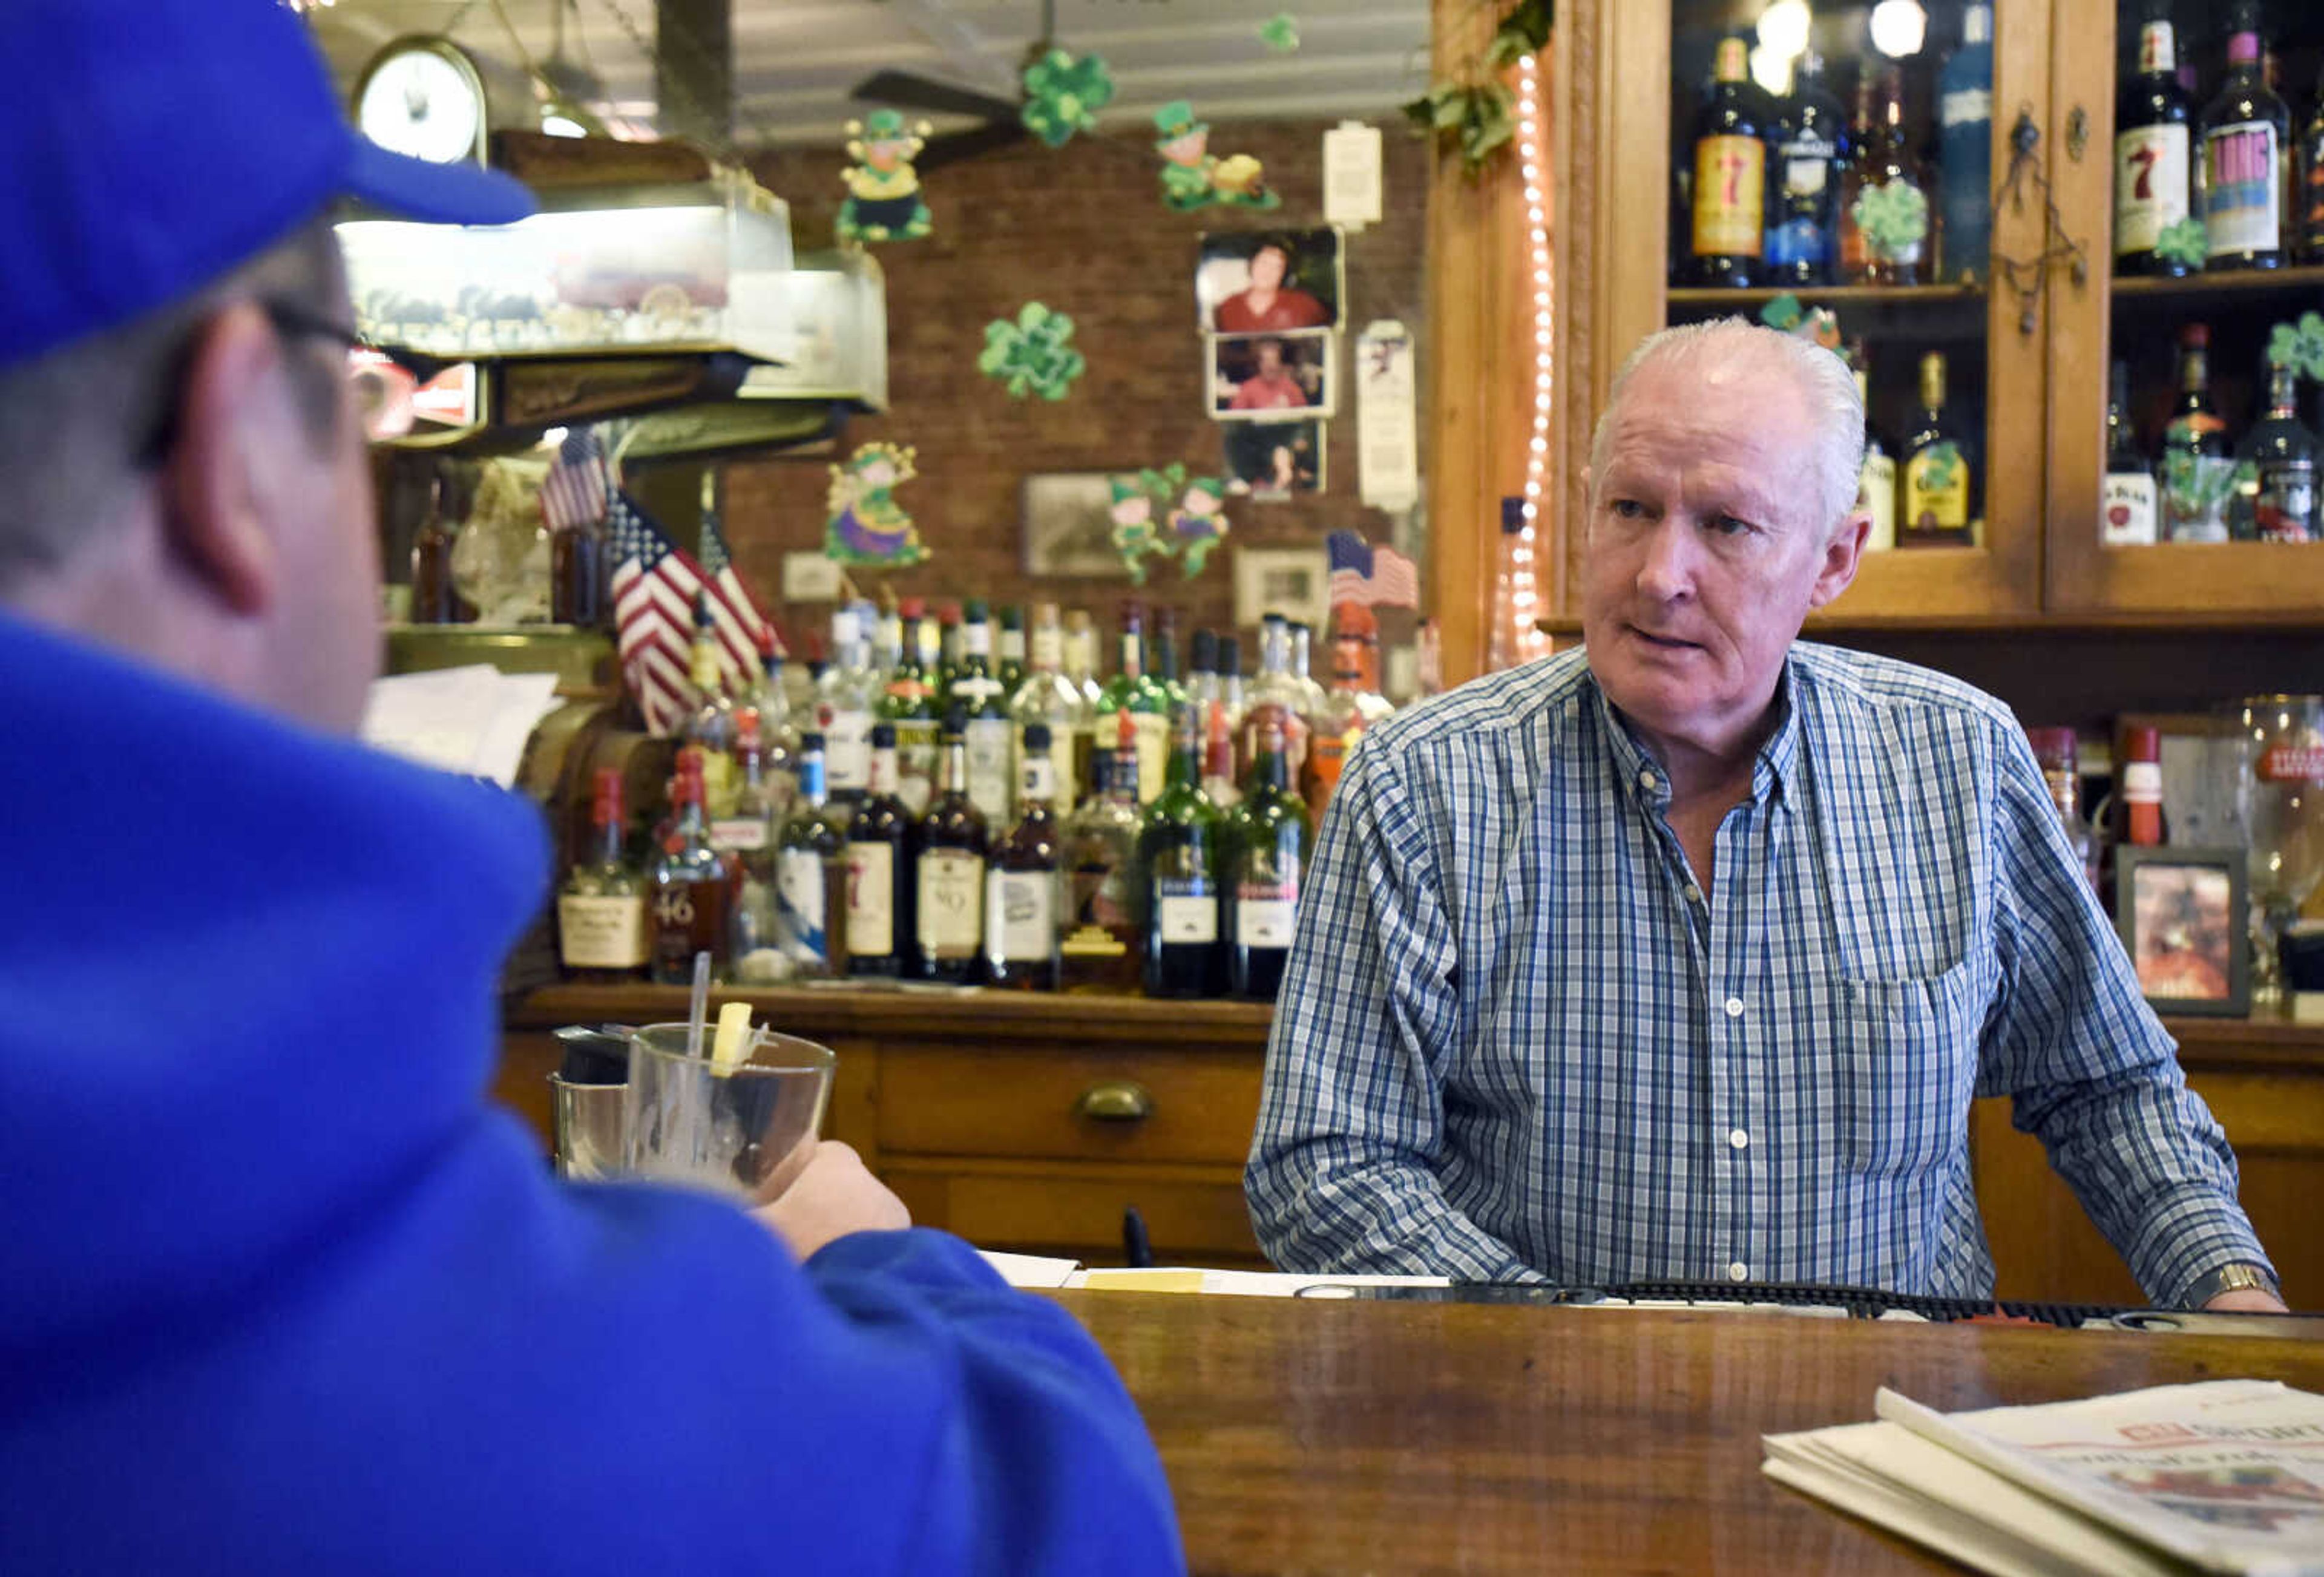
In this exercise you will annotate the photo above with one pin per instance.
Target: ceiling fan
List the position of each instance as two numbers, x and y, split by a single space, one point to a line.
1002 118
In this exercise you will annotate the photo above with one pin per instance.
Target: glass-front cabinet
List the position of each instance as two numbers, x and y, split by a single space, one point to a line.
2057 240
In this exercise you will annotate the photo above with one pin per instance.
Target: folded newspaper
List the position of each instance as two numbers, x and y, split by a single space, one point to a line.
2224 1476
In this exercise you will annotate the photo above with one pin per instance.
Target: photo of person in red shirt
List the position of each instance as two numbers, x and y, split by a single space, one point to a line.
1269 303
1272 387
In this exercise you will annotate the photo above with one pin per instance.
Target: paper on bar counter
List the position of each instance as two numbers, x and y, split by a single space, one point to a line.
473 719
1032 1270
2222 1476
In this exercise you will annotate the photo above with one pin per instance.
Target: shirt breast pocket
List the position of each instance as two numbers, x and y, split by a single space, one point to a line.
1905 1068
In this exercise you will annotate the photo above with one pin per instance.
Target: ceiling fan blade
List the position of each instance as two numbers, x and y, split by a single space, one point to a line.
910 90
959 145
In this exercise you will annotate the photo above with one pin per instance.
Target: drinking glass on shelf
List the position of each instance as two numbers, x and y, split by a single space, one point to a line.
2279 804
738 1132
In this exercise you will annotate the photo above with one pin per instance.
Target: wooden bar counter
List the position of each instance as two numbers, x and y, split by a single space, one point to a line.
1307 1436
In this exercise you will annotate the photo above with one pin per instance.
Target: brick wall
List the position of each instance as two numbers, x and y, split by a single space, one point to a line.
1083 230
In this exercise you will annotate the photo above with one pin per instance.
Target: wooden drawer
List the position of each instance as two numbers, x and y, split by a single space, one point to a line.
1193 1215
968 1100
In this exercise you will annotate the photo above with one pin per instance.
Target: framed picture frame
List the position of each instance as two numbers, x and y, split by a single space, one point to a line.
1261 377
1270 461
1270 281
1066 528
1294 582
2183 913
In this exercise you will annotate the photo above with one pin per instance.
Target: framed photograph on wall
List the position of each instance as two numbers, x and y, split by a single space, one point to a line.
1255 376
1294 582
1271 460
1270 281
2182 912
1066 528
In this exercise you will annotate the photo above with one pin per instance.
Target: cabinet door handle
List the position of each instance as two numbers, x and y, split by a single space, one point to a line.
1115 1100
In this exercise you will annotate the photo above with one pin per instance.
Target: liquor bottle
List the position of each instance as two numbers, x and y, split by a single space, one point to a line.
1939 469
2054 749
692 885
2245 130
844 698
601 907
1013 649
2308 207
1275 694
976 693
745 834
1231 690
2197 472
1268 839
2153 171
2135 814
1080 656
2275 497
779 734
1178 867
2128 510
1352 706
1862 123
1891 208
1876 482
1201 683
1964 147
1302 649
1731 170
1101 935
1057 705
909 704
1020 884
1219 780
948 848
1162 659
578 571
1811 153
1135 692
710 726
811 874
880 928
944 666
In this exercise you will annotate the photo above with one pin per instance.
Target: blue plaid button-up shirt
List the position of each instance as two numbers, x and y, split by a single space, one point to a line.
1516 1041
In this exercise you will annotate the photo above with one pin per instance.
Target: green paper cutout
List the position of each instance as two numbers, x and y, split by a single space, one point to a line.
1939 466
1199 523
883 201
1061 91
1192 177
2299 345
1894 217
862 525
1034 354
1784 312
1193 511
2184 242
1281 32
1818 325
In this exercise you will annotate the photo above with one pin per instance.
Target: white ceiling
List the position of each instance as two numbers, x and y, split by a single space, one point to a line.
795 60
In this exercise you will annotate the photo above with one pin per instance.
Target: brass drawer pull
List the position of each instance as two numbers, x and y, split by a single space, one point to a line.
1115 1100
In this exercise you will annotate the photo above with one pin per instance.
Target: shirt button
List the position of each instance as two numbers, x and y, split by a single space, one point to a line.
1738 1140
1735 1007
1693 893
1649 782
1738 1271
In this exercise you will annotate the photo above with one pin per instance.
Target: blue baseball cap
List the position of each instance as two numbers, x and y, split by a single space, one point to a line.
150 147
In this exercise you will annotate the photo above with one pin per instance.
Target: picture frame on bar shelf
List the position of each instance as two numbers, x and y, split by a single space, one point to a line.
2183 913
1254 377
1294 582
1066 528
1270 461
1270 281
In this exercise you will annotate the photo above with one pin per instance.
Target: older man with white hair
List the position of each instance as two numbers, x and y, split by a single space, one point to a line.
1684 954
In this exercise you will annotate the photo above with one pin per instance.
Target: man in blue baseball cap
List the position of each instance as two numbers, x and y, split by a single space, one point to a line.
280 1291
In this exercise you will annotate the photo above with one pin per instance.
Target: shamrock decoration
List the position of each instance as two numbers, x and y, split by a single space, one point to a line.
1941 465
2183 243
1784 312
1894 217
2195 489
1281 32
1035 354
2299 345
1061 91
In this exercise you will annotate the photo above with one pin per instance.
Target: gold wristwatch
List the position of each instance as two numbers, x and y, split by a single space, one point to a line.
2232 1278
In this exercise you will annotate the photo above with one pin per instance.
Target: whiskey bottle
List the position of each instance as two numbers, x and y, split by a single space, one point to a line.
977 694
2274 496
2153 171
1020 884
2246 129
2055 749
1965 148
745 834
1135 694
1811 159
1267 839
811 874
1057 705
909 705
1938 469
948 850
1876 482
1731 170
844 698
601 908
1102 939
2197 472
879 870
2308 205
1892 209
2127 509
691 882
710 726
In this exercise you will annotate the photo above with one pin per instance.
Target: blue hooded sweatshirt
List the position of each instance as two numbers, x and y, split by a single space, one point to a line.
281 1291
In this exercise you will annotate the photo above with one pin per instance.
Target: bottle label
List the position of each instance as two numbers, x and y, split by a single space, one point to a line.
1186 911
1048 643
740 834
1965 107
2141 782
950 903
974 690
1730 196
602 933
1806 166
1876 495
2285 510
2158 50
2150 186
1153 731
1021 915
2241 203
1039 780
720 782
847 752
989 741
871 900
1936 492
1266 914
2289 763
1893 220
801 926
2126 514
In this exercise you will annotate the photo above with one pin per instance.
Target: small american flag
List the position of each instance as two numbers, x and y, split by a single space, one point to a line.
574 493
1371 576
655 584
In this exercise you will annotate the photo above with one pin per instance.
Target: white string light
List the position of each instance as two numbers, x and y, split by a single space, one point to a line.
1525 595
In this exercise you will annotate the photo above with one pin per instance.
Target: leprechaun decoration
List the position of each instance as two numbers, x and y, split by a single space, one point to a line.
1192 177
883 190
